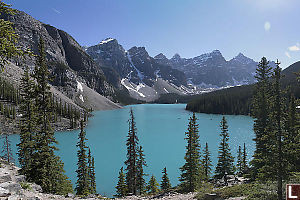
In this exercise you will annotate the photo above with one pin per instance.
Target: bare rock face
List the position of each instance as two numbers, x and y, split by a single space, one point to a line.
67 60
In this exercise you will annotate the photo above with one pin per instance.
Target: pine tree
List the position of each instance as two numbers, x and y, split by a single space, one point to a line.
82 184
48 168
165 182
152 187
141 163
9 38
206 162
225 159
279 118
121 186
190 171
239 161
6 150
244 162
93 177
132 155
28 125
261 114
91 173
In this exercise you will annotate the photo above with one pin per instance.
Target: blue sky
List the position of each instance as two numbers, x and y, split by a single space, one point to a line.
255 28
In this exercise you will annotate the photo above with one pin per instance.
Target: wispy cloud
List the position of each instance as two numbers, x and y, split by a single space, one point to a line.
267 26
294 48
56 11
287 54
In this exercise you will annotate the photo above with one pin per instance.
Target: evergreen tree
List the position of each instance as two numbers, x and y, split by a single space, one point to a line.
91 173
6 149
239 161
82 184
48 169
8 37
165 182
225 159
278 129
93 177
244 162
141 163
28 125
190 171
206 162
152 187
261 114
132 155
121 186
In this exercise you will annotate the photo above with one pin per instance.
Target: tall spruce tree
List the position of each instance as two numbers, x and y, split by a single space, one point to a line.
152 187
132 155
121 186
244 161
6 149
261 105
141 163
48 169
91 173
190 171
27 125
165 185
225 159
206 162
82 184
278 129
239 163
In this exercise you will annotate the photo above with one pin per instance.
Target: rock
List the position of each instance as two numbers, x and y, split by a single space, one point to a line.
36 187
11 187
5 178
213 197
4 192
20 178
70 195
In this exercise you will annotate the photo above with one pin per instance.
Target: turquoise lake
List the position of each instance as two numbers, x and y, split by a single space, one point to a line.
161 131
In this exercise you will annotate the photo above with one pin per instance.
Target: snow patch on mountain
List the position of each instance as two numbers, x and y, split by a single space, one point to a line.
81 97
106 41
79 87
139 73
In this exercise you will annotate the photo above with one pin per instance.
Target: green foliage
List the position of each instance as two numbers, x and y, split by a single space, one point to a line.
141 163
82 184
205 188
47 168
225 159
191 170
121 188
206 162
152 187
8 38
25 186
165 182
132 156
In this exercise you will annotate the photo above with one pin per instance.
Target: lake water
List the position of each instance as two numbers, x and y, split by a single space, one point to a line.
161 130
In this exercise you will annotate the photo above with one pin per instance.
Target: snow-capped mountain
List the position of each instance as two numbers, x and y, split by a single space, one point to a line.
212 70
135 70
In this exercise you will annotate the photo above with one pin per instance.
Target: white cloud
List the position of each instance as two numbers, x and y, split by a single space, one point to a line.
287 54
57 11
294 48
267 26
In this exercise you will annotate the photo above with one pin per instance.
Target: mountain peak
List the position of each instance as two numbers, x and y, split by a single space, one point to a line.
243 59
160 56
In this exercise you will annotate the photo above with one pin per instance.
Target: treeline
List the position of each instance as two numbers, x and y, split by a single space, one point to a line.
231 101
238 100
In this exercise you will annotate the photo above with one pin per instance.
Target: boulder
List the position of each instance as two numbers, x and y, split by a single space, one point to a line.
11 187
4 192
5 178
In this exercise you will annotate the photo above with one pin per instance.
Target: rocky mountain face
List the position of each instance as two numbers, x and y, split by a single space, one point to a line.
212 70
135 70
67 60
